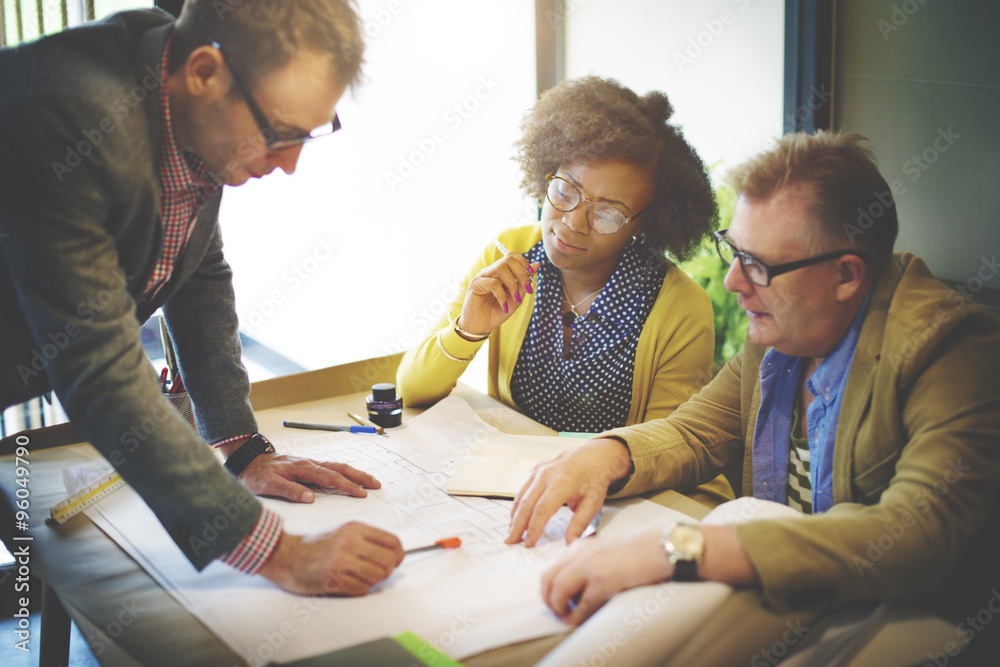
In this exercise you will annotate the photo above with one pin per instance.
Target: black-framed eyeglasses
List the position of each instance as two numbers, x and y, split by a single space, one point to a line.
603 216
760 273
275 140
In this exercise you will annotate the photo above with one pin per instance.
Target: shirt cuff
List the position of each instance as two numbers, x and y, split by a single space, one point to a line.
251 554
616 487
220 443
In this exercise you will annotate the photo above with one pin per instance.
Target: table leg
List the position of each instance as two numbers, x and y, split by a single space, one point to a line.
54 645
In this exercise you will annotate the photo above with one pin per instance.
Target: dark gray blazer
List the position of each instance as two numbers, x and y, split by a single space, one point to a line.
80 232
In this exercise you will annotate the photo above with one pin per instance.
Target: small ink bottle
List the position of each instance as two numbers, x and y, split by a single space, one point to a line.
385 408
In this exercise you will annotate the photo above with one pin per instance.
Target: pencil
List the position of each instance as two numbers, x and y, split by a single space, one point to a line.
365 422
503 250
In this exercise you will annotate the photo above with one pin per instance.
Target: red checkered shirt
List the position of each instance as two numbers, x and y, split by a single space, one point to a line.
187 185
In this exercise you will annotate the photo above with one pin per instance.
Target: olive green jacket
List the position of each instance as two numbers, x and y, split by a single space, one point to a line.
916 459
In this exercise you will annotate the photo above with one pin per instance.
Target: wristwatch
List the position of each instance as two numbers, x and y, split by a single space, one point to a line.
683 544
247 452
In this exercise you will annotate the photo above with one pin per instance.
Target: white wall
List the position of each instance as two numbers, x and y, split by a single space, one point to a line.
719 61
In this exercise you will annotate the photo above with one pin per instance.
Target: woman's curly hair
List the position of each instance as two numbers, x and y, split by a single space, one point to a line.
591 118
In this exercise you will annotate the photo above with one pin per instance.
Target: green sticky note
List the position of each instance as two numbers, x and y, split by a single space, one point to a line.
385 652
424 651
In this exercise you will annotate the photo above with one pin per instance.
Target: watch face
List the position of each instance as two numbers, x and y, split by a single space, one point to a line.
687 539
683 545
684 542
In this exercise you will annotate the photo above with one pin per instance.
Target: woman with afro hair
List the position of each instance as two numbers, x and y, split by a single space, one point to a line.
591 327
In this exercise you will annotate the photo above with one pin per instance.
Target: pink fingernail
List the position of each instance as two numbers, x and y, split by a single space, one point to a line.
527 288
505 310
530 269
517 297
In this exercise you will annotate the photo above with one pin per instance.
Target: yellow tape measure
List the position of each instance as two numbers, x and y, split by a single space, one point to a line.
85 497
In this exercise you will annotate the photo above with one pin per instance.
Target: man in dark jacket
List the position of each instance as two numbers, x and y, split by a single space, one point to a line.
118 137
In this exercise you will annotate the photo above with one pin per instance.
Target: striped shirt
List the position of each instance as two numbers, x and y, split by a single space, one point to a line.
799 474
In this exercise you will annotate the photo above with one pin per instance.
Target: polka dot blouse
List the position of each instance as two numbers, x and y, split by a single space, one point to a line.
586 385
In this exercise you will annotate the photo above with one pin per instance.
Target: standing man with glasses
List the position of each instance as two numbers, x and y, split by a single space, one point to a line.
867 396
118 138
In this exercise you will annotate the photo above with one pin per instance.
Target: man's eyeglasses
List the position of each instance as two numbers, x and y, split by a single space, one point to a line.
602 215
275 140
760 273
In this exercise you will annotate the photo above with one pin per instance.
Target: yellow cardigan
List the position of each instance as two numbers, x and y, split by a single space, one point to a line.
673 358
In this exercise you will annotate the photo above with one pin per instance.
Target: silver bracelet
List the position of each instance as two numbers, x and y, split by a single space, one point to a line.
471 337
445 352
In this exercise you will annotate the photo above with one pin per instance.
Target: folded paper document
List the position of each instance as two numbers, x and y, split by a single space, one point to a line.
500 466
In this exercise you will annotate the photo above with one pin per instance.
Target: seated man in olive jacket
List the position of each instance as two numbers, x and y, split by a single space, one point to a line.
117 138
867 396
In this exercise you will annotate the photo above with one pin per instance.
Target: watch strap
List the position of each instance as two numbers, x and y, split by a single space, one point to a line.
246 453
685 570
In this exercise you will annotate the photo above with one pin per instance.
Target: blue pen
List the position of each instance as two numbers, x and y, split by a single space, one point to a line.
330 427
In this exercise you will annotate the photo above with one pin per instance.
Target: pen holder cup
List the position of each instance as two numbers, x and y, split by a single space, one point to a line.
182 403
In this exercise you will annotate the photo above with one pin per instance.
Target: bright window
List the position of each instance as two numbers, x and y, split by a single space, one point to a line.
358 253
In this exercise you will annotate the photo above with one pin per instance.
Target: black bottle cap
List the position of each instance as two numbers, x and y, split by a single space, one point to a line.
384 392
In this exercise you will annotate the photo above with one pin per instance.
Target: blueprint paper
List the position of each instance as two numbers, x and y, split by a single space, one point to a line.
464 601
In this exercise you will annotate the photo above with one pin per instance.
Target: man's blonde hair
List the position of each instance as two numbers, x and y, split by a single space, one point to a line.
851 202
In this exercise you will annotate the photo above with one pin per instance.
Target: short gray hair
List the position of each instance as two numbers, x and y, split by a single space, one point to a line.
263 35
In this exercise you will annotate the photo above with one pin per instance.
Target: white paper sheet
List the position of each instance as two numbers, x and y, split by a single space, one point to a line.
483 595
644 626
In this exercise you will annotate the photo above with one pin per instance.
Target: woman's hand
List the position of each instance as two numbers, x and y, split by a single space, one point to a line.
495 293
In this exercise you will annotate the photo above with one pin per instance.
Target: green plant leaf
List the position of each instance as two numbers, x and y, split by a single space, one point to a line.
707 270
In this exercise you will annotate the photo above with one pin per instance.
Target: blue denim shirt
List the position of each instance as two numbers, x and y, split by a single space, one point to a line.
779 378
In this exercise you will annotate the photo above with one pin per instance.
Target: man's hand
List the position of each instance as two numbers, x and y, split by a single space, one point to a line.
347 561
579 478
283 477
594 569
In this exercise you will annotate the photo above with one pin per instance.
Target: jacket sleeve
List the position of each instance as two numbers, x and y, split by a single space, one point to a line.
201 317
696 443
72 292
426 373
941 495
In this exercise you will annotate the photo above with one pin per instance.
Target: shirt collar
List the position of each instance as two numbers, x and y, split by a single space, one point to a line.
838 358
825 381
633 274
